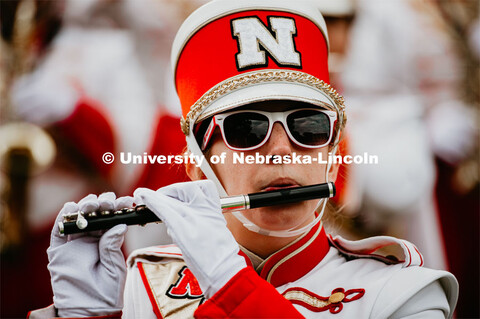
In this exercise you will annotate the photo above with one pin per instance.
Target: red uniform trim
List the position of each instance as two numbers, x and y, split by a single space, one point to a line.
153 300
302 260
247 260
166 246
365 252
420 255
409 254
163 253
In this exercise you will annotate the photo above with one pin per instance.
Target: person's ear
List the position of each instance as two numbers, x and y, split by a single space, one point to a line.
333 172
194 172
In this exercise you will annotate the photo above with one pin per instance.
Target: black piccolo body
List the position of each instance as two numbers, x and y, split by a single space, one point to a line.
81 222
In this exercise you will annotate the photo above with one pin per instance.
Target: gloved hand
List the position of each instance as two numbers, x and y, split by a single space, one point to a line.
88 271
192 214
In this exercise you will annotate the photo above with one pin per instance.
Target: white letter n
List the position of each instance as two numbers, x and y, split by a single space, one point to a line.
251 32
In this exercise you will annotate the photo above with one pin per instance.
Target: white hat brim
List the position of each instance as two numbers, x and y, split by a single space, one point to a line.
267 91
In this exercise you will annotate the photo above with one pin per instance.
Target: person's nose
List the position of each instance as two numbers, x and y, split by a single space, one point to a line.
279 142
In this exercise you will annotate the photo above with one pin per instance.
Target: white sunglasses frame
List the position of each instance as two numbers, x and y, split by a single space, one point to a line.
273 117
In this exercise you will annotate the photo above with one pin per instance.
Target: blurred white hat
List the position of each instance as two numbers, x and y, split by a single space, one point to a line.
335 8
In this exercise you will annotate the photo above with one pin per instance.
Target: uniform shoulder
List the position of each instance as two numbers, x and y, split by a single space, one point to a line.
389 250
416 289
407 286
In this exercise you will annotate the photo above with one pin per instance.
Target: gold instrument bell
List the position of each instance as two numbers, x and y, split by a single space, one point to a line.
25 150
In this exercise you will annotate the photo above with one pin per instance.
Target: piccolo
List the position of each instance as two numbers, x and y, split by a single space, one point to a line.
80 222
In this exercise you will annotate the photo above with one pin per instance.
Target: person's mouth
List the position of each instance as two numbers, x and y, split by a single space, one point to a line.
280 183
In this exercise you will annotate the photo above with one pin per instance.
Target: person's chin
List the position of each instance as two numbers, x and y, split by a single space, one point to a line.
277 217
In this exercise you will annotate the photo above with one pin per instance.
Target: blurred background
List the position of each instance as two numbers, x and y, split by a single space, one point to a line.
79 78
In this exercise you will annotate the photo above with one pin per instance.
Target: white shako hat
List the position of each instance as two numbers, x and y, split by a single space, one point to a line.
229 53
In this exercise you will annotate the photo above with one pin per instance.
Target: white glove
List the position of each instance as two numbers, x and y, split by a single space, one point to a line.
88 271
192 214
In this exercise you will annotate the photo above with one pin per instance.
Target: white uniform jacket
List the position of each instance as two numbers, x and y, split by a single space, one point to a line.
322 276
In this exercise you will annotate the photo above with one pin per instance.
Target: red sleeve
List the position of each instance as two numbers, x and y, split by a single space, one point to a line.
247 295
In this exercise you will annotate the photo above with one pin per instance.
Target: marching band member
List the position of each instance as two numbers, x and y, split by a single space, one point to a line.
252 78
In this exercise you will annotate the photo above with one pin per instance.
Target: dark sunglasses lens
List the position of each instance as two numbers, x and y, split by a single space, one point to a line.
247 129
309 127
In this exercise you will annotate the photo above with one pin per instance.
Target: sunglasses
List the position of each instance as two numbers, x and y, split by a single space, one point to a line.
247 130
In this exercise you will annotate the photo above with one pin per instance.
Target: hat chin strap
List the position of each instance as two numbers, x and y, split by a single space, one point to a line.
292 232
251 226
205 166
